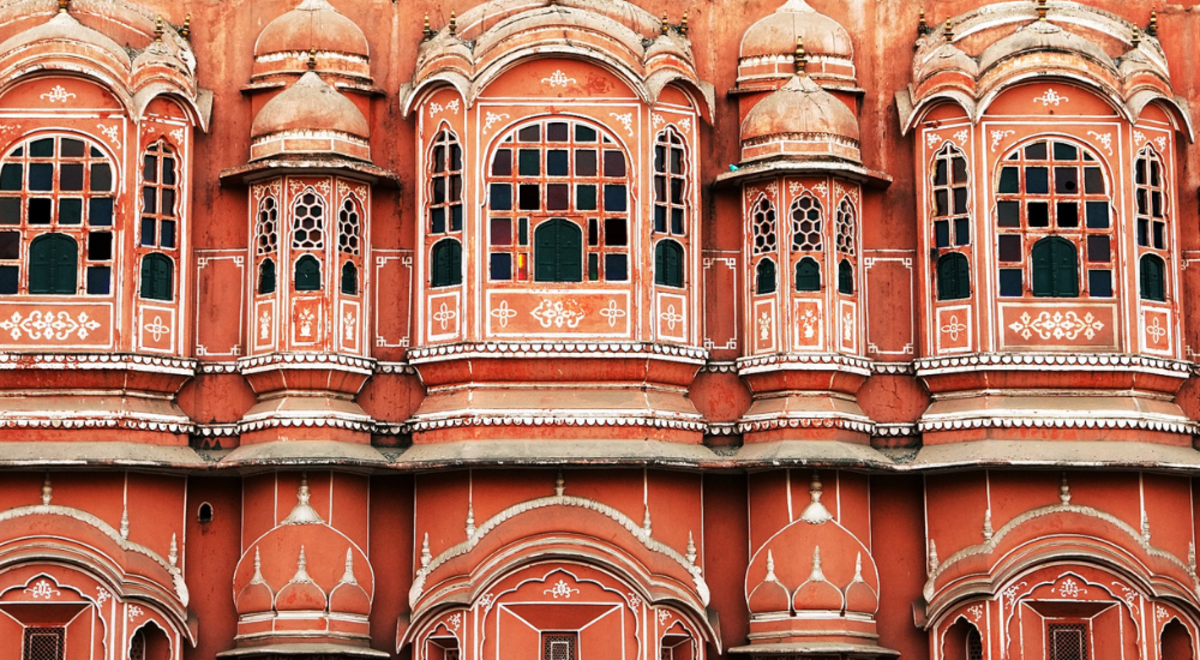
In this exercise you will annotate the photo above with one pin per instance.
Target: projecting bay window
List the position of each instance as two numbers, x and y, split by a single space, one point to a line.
445 209
158 242
1054 224
308 239
671 207
266 245
1153 237
56 218
765 243
949 184
558 205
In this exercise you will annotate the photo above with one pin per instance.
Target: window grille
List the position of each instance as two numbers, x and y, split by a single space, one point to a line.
952 222
846 225
137 647
974 645
558 646
1153 236
670 183
44 644
764 227
445 184
1067 641
159 197
308 224
806 224
267 227
349 227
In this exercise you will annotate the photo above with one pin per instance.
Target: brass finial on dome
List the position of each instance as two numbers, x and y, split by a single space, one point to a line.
948 31
664 26
683 28
427 33
64 6
1136 39
312 59
158 29
186 31
453 23
1042 9
1152 28
922 26
800 58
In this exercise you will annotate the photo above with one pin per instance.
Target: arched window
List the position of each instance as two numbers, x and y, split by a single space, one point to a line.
951 222
266 277
765 240
670 183
808 275
157 277
1151 278
446 269
557 252
159 197
845 277
806 224
445 184
953 277
1053 188
668 263
1055 268
308 274
764 276
65 186
349 227
846 229
549 172
53 264
308 223
349 279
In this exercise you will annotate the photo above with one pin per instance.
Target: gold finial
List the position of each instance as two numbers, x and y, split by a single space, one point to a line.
453 23
1152 29
947 31
312 59
683 28
428 31
800 58
664 23
158 29
186 32
64 6
1136 40
1042 9
922 26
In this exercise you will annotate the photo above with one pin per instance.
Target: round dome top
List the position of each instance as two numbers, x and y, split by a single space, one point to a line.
301 592
314 24
769 595
256 596
776 34
310 104
802 107
64 27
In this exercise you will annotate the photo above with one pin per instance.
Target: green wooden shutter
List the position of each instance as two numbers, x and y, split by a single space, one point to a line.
668 264
558 252
266 277
53 263
764 277
349 279
308 274
1152 284
808 275
157 277
1066 269
845 277
447 264
1043 271
954 277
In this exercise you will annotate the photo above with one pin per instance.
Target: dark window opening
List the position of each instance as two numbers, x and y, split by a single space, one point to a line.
764 277
953 277
1055 268
808 275
158 277
53 265
308 274
845 277
668 264
447 264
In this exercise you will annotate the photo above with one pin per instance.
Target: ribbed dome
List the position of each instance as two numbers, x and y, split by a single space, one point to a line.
776 34
313 24
310 105
805 120
64 27
1042 36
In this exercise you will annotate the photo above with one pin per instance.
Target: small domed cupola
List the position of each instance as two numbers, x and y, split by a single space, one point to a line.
310 117
348 597
762 62
800 120
301 593
770 596
284 46
256 597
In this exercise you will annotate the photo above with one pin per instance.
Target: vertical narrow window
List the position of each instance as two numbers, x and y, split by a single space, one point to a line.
807 241
308 234
266 243
764 276
158 277
43 643
266 276
808 275
61 185
668 263
446 269
445 184
846 239
160 192
349 279
1153 228
845 277
1066 641
1054 189
974 644
951 219
350 244
764 234
953 276
671 206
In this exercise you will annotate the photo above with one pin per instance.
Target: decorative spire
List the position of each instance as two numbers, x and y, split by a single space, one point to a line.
348 576
800 58
1136 39
691 549
312 59
770 568
933 558
987 525
186 30
47 490
1042 9
858 569
64 6
257 578
922 26
646 520
683 28
426 556
427 33
302 513
815 513
470 519
125 522
1064 490
560 486
301 569
1152 28
664 26
453 23
816 575
947 31
158 29
173 554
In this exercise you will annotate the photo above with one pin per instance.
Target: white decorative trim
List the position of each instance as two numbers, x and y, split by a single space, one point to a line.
560 588
492 118
626 120
421 355
129 361
1105 140
997 421
558 79
692 423
1051 361
997 136
58 94
825 422
260 363
1051 97
803 361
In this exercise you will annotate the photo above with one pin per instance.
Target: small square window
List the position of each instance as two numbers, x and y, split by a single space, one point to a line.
529 197
585 197
1008 214
500 197
1037 180
614 199
1067 214
1039 214
1097 215
941 232
616 267
10 277
1160 235
557 162
501 231
557 132
530 134
1093 181
1098 249
40 210
43 148
101 178
941 203
100 211
614 232
72 148
1064 151
12 176
98 280
1009 180
100 246
529 162
502 163
558 196
41 176
1036 151
1010 247
584 133
962 231
585 162
70 176
10 244
1011 283
500 266
960 200
614 164
437 220
70 211
1066 180
167 235
1100 283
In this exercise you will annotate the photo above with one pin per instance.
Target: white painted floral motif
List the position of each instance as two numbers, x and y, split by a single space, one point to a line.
793 187
1058 325
976 612
997 136
110 132
663 615
686 124
491 119
349 320
932 139
49 325
42 589
961 136
1105 140
809 319
558 79
1051 97
157 328
306 323
1138 138
456 621
822 188
560 589
58 93
177 135
452 106
102 595
657 120
625 119
486 601
1155 330
671 317
133 612
558 313
773 188
1162 143
1160 612
764 326
1069 589
1128 595
954 327
445 315
504 313
612 313
635 600
847 327
264 325
434 109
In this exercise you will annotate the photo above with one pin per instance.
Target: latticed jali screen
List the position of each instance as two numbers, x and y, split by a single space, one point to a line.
43 644
558 647
1068 641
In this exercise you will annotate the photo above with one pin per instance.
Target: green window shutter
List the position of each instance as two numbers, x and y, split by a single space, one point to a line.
266 277
53 262
954 277
668 264
157 277
349 279
447 264
845 277
1043 271
1066 270
1152 278
764 277
808 275
558 252
308 274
